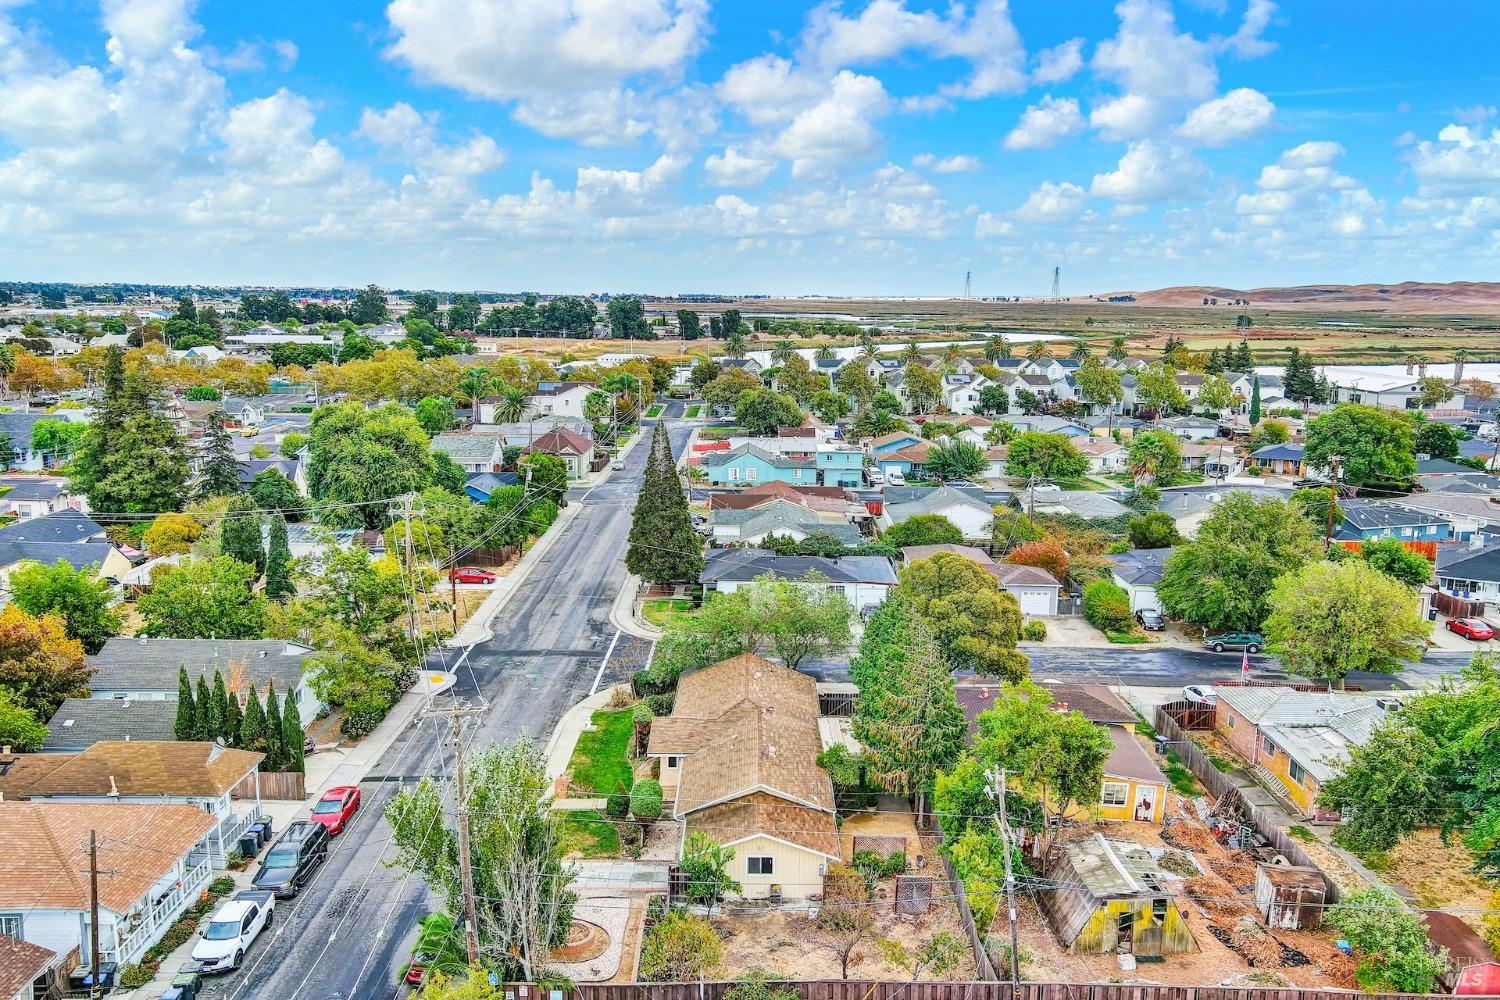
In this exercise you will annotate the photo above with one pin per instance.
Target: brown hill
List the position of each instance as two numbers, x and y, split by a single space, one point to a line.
1407 296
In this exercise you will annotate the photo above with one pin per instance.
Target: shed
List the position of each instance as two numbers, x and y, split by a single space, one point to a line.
1113 897
1290 897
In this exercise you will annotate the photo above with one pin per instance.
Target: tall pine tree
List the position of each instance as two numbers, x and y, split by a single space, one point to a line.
186 725
279 585
1255 401
92 463
253 729
239 534
275 758
1243 361
204 726
663 546
221 473
133 457
291 735
221 709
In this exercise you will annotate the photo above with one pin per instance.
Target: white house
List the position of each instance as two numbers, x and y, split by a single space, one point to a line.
865 581
1191 428
1035 589
1394 392
970 514
961 392
154 863
560 399
472 452
1138 572
1104 455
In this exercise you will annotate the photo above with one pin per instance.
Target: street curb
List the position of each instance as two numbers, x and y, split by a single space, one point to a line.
570 726
485 616
622 612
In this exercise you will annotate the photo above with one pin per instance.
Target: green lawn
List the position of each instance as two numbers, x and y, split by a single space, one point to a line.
692 411
1126 638
662 611
588 833
1183 780
654 410
601 758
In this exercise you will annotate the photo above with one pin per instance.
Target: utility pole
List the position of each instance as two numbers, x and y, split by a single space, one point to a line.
453 586
1010 883
1333 496
94 991
411 608
465 870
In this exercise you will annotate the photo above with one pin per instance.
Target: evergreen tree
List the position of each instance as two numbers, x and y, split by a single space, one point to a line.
133 457
663 545
253 728
221 473
221 710
275 758
279 585
1322 390
92 463
186 726
204 724
1243 361
1255 401
1214 365
291 735
239 534
235 723
1299 381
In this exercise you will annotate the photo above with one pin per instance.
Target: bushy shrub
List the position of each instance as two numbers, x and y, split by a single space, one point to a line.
645 800
133 977
617 803
641 714
760 985
361 723
680 949
874 865
1034 631
221 886
1107 606
661 704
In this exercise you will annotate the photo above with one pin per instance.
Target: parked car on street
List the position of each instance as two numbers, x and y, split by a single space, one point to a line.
231 930
617 464
1251 642
1471 628
1200 694
1151 620
292 860
337 806
472 574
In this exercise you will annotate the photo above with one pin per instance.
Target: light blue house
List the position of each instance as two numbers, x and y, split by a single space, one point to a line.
1367 520
840 466
748 465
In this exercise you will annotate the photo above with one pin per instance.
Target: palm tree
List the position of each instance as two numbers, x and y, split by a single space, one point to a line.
867 342
512 405
1459 357
734 345
1411 362
1117 350
995 348
1037 351
825 353
912 352
1421 366
951 356
782 351
475 382
1080 352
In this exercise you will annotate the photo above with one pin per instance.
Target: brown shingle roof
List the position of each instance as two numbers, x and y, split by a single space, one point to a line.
760 813
560 441
830 498
19 771
148 767
715 691
1016 575
45 861
21 962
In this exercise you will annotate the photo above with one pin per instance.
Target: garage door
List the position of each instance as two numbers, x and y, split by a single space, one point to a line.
1034 600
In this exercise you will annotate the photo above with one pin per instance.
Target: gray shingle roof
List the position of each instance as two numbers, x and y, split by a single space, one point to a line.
17 427
75 554
937 501
26 488
474 447
126 664
81 722
1142 566
63 526
741 565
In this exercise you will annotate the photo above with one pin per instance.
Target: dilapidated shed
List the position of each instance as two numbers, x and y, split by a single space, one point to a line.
1290 897
1112 896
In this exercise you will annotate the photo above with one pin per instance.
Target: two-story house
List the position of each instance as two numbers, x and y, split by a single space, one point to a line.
750 463
839 464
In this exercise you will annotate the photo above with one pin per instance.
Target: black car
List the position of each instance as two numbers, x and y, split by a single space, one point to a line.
1151 620
291 860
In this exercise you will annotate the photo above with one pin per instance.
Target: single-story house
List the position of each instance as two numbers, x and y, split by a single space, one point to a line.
865 581
910 461
1467 514
26 969
1213 458
823 499
782 518
28 497
1470 571
1191 428
79 723
17 427
146 669
1186 509
738 759
154 862
1035 589
1113 897
1138 572
472 452
479 485
66 526
1133 788
1280 459
1052 499
751 463
576 451
1104 455
971 516
201 775
1296 739
108 562
523 433
1366 520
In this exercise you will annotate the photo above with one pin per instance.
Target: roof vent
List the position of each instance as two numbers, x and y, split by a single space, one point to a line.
67 723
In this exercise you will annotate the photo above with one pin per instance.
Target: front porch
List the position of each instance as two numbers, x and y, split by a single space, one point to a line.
129 935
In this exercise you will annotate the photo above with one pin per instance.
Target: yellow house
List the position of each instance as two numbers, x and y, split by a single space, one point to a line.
739 763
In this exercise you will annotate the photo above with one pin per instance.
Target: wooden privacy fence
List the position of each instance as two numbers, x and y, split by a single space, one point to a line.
861 989
983 967
1219 785
283 785
1190 714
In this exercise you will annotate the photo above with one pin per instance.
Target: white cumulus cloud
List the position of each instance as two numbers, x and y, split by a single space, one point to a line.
1045 124
1237 115
1151 171
1053 203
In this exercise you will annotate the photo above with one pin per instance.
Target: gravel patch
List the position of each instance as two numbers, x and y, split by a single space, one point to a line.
611 913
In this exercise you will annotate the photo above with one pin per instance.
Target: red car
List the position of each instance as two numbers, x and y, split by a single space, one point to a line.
1471 628
472 574
336 807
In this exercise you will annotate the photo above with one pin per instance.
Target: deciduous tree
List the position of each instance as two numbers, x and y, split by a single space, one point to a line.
975 623
85 602
1044 456
39 665
201 599
953 458
923 529
1370 443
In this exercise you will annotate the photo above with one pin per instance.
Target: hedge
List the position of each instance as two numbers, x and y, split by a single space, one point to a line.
1107 606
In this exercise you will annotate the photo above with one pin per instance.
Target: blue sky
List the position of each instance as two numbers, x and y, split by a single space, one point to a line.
880 147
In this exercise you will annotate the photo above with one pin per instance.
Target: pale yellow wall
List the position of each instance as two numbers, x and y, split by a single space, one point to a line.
796 869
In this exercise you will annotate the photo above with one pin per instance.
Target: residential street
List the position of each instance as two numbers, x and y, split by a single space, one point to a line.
349 933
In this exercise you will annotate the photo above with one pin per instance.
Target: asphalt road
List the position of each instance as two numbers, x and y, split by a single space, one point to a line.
350 931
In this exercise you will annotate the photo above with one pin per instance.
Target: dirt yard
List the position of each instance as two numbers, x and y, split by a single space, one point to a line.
1438 874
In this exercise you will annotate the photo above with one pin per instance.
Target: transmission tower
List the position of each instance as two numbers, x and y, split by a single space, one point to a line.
968 284
1057 284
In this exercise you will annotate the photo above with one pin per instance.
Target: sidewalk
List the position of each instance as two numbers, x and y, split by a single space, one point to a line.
477 628
565 736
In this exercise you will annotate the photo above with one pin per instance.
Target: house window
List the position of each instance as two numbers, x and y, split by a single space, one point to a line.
750 474
674 762
1295 771
1115 793
760 865
734 474
1230 720
1270 747
10 925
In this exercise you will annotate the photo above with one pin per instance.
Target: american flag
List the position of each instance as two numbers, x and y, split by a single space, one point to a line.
1245 666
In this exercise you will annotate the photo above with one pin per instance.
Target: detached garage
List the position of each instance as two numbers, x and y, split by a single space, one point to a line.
1034 589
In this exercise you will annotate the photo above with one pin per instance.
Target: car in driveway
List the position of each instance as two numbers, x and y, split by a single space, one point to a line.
292 860
1471 628
231 930
337 806
1250 642
1151 620
472 574
1200 694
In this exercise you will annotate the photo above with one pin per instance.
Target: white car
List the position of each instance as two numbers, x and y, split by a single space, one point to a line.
876 478
896 477
232 928
1200 694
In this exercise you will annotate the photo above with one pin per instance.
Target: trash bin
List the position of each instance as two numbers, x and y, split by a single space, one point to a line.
1432 614
249 845
265 821
174 993
1161 745
259 831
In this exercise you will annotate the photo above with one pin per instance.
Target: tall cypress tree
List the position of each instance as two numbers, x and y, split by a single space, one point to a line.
253 728
235 723
239 534
279 585
221 709
221 473
291 735
1255 401
186 725
663 546
275 757
204 724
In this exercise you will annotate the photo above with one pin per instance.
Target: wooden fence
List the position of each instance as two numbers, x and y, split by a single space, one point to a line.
1456 607
287 786
1220 785
860 989
983 967
1190 714
837 703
